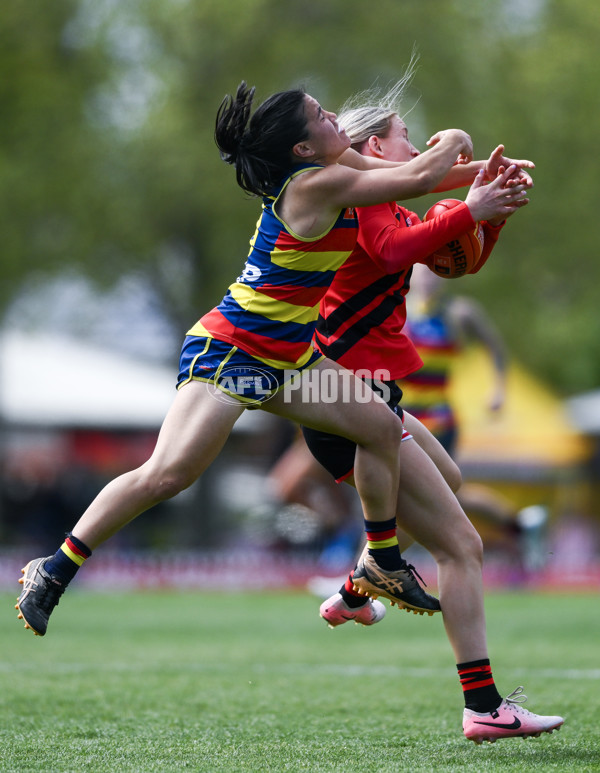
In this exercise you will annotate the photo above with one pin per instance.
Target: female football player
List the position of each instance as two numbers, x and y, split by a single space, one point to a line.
360 326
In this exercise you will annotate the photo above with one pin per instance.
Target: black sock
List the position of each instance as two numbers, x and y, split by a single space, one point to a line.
478 685
65 563
382 543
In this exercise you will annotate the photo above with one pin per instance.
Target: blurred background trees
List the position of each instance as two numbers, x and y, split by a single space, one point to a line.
108 165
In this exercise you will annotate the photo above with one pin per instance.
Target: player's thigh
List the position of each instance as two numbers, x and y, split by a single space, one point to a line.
194 430
427 509
435 450
331 399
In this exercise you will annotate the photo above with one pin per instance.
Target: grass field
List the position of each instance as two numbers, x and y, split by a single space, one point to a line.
257 682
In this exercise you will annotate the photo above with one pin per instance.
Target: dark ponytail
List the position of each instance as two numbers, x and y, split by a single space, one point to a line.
260 147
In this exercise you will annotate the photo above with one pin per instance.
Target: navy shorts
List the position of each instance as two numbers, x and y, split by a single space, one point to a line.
239 375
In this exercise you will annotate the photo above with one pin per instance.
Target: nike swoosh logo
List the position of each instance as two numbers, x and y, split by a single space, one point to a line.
516 723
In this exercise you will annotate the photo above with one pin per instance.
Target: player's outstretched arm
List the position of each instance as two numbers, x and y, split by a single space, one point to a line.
339 186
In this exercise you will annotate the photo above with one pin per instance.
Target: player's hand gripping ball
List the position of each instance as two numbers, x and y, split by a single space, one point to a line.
461 255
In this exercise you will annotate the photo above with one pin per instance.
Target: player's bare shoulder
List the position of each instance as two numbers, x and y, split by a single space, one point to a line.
324 183
311 200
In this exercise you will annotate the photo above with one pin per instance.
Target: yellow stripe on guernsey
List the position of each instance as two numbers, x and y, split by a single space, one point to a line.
384 543
308 261
258 303
199 330
73 556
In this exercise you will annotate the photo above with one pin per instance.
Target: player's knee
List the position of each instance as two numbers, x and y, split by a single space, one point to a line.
165 484
463 546
473 546
382 434
389 434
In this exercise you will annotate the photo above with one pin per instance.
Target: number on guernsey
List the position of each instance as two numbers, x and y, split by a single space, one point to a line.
250 274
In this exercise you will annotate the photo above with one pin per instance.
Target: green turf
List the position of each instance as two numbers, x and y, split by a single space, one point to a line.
256 682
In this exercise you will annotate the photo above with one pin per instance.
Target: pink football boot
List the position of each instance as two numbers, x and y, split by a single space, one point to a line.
335 611
509 720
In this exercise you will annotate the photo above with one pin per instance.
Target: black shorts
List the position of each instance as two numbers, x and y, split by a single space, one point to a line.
335 453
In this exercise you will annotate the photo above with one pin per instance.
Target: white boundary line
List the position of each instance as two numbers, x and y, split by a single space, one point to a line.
308 669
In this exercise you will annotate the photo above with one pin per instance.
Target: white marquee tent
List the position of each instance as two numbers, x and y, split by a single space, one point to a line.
52 381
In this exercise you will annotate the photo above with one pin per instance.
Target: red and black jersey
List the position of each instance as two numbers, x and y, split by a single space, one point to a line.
363 312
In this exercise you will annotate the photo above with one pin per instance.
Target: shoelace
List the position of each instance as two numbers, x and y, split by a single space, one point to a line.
49 596
516 698
411 569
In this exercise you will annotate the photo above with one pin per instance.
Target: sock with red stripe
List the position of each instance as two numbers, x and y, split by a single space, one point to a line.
65 563
350 596
382 544
478 685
